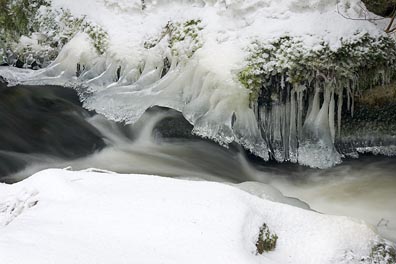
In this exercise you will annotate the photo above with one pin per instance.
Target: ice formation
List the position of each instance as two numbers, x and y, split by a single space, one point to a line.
189 56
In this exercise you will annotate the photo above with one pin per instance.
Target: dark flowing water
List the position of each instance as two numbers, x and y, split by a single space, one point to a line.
364 188
52 130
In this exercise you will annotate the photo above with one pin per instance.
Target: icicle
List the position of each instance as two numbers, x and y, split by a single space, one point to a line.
348 91
314 108
263 124
339 110
353 102
310 103
276 123
276 139
78 70
300 107
286 127
322 120
293 126
331 117
105 73
118 73
129 77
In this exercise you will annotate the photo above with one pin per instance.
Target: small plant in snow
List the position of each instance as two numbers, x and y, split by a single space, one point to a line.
98 35
16 17
60 26
33 31
381 253
183 39
266 240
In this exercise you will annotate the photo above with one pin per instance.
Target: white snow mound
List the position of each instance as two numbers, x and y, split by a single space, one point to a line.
59 216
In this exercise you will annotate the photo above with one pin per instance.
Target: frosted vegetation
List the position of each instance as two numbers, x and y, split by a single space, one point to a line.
33 32
283 75
273 76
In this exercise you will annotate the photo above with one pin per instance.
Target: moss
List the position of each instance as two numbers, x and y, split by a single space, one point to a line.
266 240
378 96
254 82
373 116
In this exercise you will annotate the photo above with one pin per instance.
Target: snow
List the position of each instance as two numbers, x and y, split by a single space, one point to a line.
60 216
237 20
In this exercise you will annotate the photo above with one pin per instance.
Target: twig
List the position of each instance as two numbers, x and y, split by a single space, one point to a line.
359 19
389 28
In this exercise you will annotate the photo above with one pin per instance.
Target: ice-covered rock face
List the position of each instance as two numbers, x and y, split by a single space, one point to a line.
189 56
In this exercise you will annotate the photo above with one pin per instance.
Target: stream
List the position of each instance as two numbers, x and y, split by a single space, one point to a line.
160 143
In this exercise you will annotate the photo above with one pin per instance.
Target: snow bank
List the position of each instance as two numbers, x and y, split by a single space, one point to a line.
58 216
187 55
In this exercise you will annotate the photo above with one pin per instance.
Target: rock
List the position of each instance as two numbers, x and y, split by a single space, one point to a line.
174 126
373 121
10 163
35 65
46 120
381 7
19 63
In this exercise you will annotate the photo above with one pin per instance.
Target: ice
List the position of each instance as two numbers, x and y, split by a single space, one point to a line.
186 55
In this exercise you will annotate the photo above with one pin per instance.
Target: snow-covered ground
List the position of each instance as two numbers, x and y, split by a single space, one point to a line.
60 216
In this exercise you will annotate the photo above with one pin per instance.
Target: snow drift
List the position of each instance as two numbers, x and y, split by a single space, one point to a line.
89 217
